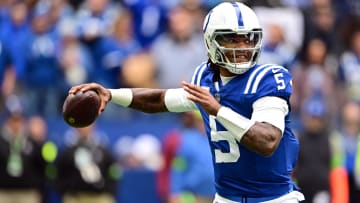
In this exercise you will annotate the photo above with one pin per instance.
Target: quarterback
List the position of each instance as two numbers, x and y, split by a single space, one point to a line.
244 105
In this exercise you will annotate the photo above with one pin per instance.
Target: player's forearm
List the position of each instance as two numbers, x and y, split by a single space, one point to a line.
148 100
262 138
141 99
259 137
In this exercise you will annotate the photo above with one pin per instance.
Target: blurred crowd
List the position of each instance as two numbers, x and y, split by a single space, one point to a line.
47 46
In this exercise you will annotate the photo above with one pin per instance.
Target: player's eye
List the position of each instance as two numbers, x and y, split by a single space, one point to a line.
228 39
231 40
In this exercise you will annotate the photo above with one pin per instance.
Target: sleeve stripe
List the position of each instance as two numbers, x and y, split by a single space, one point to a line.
200 74
251 78
261 75
196 72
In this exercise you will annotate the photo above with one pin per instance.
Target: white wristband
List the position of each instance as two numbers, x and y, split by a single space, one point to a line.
122 96
235 123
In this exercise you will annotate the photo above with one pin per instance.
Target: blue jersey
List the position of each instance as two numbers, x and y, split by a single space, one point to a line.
187 172
240 172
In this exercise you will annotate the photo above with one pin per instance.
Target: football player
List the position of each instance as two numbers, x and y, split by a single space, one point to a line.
244 105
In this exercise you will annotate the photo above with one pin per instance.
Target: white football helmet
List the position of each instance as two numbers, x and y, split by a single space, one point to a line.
227 19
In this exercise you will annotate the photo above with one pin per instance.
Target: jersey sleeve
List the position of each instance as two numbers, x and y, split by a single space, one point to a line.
196 78
273 81
271 110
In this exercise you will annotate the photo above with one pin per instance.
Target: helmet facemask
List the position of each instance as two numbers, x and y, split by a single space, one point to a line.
236 51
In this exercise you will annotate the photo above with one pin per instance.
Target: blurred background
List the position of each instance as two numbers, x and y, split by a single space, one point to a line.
47 46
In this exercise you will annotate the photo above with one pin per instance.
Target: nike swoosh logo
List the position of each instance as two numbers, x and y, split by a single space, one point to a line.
275 70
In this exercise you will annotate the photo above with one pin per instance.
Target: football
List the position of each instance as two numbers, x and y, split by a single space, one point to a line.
81 109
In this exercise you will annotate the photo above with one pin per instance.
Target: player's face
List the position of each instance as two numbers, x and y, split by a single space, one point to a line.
237 41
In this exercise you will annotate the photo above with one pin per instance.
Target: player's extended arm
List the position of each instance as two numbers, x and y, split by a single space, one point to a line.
142 99
256 134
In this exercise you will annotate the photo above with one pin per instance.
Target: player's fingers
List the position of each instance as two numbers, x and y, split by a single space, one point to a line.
90 86
193 98
184 83
188 85
82 87
102 107
197 97
196 88
75 89
193 92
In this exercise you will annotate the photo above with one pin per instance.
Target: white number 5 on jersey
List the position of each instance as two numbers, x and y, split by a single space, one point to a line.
279 78
224 157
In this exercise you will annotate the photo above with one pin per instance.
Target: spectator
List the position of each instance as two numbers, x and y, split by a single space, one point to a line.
101 48
349 68
290 20
146 149
38 131
187 174
86 169
173 60
60 9
105 11
346 145
275 50
74 57
170 144
149 20
312 171
21 163
7 72
141 152
123 33
43 73
17 27
141 159
123 152
313 75
320 22
126 45
95 19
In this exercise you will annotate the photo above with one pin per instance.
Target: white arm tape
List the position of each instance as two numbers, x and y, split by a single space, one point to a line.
235 123
122 96
176 101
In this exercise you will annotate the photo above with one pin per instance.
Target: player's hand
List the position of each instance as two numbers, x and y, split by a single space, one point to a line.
104 93
203 97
